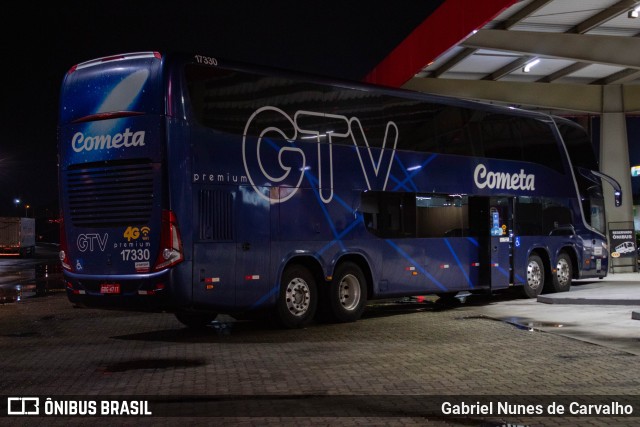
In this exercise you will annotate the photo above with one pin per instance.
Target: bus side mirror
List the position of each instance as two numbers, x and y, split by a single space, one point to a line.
617 190
617 198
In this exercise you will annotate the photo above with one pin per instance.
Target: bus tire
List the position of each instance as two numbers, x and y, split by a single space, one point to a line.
535 277
298 297
563 274
347 293
195 320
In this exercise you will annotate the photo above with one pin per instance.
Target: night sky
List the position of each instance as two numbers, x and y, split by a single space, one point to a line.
343 39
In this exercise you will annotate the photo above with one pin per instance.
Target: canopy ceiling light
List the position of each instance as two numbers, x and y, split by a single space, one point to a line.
529 65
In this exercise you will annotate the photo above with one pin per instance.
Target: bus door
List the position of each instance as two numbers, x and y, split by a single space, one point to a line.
491 220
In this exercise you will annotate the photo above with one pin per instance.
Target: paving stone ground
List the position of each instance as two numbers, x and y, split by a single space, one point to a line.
395 366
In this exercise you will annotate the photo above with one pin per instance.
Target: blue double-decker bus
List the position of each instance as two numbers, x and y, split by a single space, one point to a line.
197 186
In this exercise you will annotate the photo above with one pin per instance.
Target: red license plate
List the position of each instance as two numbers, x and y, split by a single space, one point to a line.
110 288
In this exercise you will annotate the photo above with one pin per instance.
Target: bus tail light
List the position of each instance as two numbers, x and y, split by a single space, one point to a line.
170 242
63 254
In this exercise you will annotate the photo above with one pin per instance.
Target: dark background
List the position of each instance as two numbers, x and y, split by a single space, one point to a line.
343 39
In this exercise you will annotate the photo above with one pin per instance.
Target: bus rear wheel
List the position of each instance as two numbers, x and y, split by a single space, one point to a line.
298 297
535 277
347 293
195 320
563 274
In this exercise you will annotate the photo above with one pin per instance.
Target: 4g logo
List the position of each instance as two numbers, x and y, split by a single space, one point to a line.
134 233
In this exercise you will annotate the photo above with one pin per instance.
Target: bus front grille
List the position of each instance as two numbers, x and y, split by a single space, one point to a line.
110 194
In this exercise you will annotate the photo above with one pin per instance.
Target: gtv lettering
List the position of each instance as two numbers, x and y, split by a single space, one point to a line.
503 180
81 142
91 241
286 166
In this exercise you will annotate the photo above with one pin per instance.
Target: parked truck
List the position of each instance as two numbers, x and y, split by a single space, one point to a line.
17 236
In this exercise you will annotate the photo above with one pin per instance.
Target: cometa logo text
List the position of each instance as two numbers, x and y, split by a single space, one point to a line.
81 142
503 180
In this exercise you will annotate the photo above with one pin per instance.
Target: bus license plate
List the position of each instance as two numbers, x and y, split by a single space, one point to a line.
110 288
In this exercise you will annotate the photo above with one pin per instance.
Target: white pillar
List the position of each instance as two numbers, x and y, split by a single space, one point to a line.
614 155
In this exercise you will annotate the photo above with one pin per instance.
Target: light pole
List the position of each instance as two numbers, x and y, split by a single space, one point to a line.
26 210
16 202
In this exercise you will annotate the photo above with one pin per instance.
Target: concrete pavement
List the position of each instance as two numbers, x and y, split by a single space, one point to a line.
396 366
603 312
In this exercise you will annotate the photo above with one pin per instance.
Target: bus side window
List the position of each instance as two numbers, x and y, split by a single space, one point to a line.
499 139
388 214
527 217
442 216
556 220
370 211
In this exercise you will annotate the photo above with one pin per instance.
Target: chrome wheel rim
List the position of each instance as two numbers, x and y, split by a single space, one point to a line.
298 297
562 271
349 292
534 275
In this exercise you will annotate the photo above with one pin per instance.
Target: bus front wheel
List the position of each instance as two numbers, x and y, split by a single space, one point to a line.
347 293
563 274
298 297
535 277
